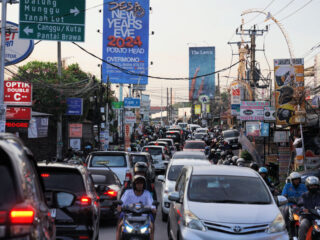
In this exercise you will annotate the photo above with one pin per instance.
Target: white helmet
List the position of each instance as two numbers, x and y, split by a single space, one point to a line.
295 175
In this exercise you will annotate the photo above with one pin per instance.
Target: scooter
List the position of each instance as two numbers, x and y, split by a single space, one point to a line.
136 222
314 231
294 217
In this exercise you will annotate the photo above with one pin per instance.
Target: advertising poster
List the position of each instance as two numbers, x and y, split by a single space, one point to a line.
252 110
197 109
201 62
125 41
75 143
289 89
235 93
75 130
38 127
253 129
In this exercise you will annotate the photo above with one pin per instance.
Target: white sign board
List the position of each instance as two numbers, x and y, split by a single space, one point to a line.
252 110
75 143
130 117
281 136
269 114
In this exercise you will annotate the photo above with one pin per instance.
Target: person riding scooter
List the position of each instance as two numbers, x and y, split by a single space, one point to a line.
309 200
138 194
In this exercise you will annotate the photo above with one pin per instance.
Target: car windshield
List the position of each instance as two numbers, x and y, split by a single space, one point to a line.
201 130
230 134
198 136
139 158
64 179
195 145
110 161
228 189
174 172
153 151
181 155
7 190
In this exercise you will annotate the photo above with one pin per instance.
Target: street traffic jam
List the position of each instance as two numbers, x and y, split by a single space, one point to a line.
208 191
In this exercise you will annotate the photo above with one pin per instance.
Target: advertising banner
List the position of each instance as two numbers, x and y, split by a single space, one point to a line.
38 127
201 62
75 130
253 129
289 89
281 136
125 41
197 109
130 117
17 93
252 110
18 113
74 106
235 110
264 129
235 93
75 143
269 114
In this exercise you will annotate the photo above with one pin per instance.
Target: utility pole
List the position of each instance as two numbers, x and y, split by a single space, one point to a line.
171 107
59 123
168 105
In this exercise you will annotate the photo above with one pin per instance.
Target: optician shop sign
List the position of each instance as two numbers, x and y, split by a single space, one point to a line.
252 110
17 93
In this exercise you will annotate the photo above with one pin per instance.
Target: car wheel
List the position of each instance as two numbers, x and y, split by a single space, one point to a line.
164 216
168 230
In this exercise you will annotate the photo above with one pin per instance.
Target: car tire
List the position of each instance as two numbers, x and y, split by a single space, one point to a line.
164 216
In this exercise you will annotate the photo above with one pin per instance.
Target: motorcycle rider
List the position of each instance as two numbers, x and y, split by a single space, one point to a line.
263 171
308 200
293 189
254 166
136 195
141 168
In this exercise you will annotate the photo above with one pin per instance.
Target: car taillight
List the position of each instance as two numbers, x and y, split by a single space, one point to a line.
85 201
45 175
111 193
22 216
128 175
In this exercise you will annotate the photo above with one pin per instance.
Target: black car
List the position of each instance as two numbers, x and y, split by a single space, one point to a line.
70 194
23 210
107 186
177 137
143 157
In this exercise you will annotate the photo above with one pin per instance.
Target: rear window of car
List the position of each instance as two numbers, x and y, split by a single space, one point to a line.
152 151
138 158
174 172
167 141
229 134
189 156
110 161
7 188
64 179
195 145
173 135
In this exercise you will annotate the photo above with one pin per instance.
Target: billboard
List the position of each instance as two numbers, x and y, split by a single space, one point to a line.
201 62
235 92
252 110
17 93
125 41
289 88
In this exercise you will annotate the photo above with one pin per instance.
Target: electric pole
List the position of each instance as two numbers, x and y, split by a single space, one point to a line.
168 105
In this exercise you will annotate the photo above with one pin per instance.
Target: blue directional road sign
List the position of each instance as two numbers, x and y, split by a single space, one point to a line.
131 102
74 106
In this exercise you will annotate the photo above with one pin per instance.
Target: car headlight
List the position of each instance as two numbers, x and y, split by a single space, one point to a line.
192 221
278 225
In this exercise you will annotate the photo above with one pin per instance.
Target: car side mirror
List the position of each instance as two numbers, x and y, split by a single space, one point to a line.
281 200
174 196
160 178
166 163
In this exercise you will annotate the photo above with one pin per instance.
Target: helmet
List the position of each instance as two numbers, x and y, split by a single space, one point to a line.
263 170
139 178
218 150
295 175
234 158
213 150
140 167
224 153
240 160
312 180
254 166
240 164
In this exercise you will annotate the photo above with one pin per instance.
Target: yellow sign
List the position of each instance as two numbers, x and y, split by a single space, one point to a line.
289 89
197 109
208 108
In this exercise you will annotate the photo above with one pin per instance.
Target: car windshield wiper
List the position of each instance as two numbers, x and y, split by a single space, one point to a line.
230 201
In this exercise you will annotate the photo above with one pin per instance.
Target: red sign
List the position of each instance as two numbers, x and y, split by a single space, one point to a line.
75 130
17 124
18 113
17 93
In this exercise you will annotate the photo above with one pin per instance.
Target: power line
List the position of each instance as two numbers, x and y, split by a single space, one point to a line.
154 77
284 7
259 13
296 10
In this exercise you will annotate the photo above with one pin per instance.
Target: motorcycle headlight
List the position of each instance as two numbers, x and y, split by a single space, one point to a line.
144 229
128 228
278 225
316 225
192 221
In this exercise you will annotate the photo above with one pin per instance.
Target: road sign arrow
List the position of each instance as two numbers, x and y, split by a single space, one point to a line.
74 11
28 30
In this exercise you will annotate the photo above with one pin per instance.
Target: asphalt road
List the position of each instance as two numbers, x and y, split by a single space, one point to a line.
108 229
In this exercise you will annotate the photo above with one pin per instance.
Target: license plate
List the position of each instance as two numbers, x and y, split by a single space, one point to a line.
235 145
53 212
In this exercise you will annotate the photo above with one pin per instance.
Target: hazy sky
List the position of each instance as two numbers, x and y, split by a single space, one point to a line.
180 24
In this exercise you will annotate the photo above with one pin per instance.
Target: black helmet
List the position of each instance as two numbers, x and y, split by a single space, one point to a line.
226 162
139 178
254 166
140 167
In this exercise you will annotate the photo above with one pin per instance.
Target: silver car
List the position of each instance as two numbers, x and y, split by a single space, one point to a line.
224 202
189 155
169 180
159 156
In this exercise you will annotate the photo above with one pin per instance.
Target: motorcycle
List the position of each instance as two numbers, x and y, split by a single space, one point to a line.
136 222
294 217
314 230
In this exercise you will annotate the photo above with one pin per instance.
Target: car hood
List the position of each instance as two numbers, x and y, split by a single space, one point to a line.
234 213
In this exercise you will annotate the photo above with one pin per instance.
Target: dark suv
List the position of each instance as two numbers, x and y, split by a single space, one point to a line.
23 211
70 194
